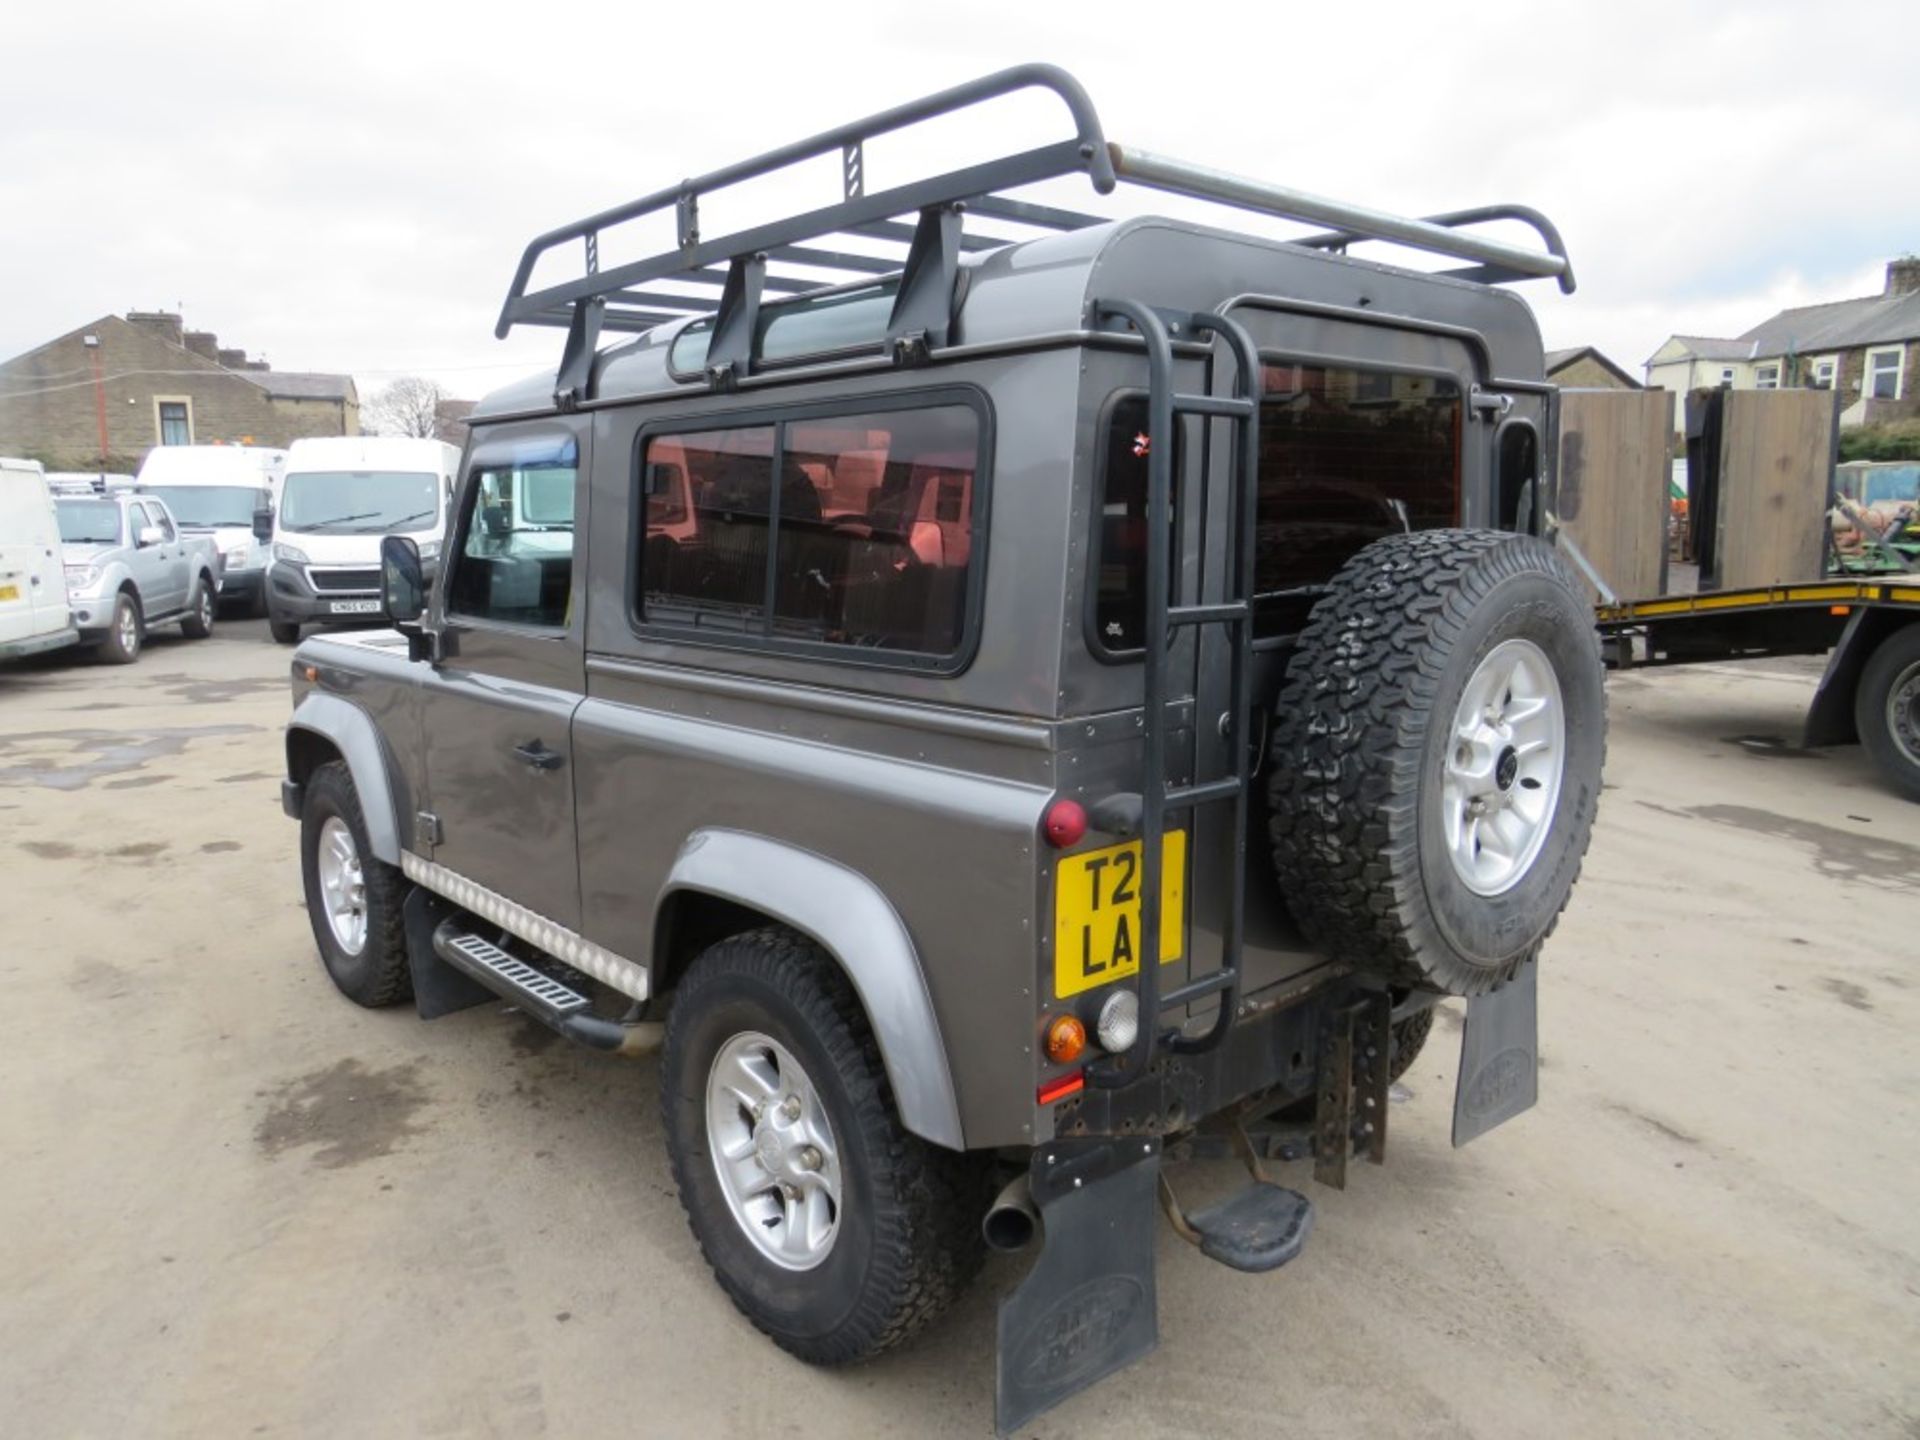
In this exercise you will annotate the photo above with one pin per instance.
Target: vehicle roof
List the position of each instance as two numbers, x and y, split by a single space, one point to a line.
209 464
330 452
7 462
1044 286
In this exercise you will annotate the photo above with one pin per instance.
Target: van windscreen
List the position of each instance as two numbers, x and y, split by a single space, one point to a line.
204 506
359 502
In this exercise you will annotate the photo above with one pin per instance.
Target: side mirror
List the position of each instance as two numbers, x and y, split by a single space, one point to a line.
263 523
403 583
149 535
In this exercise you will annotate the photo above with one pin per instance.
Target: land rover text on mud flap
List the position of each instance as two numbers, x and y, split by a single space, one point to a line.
988 692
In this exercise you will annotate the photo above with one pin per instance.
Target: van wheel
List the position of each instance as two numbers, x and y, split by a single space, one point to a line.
1436 757
127 632
353 900
829 1226
199 624
284 632
1886 708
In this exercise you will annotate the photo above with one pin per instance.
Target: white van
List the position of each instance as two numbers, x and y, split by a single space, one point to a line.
215 490
34 614
338 497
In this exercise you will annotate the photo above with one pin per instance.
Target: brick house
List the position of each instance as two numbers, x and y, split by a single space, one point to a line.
144 380
1585 368
1868 350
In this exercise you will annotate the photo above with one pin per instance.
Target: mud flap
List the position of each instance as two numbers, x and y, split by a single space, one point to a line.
1088 1307
438 988
1499 1057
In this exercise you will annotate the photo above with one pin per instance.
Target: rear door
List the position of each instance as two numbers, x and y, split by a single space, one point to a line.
498 708
33 592
163 586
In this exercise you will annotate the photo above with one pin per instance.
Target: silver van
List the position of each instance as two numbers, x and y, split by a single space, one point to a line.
1002 700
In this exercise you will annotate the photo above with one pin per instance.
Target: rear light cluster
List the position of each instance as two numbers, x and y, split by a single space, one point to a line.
1065 1040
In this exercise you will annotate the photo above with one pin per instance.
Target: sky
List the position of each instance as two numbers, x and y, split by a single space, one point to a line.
348 187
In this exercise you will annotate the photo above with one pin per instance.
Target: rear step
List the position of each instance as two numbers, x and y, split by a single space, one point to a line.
550 1001
1261 1227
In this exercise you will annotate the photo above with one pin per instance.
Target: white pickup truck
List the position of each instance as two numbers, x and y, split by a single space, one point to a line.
129 568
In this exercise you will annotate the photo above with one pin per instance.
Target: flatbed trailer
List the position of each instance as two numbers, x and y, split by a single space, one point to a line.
1869 628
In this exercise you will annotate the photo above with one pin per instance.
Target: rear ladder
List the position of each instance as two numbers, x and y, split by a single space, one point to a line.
1158 799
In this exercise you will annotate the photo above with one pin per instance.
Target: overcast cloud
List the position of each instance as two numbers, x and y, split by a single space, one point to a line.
348 187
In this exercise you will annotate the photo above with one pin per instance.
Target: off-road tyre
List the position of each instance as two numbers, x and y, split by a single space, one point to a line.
124 642
909 1237
1886 710
199 622
378 976
1409 1039
1360 737
284 632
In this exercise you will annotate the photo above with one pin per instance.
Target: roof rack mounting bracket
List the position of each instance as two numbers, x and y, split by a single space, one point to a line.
730 352
922 318
575 378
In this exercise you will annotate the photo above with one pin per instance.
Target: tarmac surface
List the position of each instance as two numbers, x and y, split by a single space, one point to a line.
236 1204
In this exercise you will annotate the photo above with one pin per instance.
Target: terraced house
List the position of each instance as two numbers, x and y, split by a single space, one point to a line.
103 394
1865 349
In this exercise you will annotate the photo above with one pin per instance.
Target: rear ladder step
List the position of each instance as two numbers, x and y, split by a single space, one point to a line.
1208 614
1256 1229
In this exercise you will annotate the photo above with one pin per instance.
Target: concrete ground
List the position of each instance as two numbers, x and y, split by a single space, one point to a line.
234 1204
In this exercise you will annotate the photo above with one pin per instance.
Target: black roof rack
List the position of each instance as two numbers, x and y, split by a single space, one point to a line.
726 277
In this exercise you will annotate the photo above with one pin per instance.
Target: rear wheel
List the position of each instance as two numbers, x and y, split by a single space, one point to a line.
834 1230
353 900
126 633
1436 757
199 622
1886 708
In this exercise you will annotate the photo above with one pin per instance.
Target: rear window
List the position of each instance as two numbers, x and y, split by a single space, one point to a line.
1346 456
854 530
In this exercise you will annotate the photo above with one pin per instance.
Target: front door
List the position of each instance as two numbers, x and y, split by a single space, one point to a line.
498 708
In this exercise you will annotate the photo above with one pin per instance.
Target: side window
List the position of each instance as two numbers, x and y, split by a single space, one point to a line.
155 516
855 529
515 562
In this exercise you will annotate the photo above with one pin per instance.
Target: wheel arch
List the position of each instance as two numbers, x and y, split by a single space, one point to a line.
1830 718
727 881
325 727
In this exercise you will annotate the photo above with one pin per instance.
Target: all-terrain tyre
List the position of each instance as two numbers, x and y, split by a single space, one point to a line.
904 1236
1886 709
199 622
1409 1039
367 958
126 633
1436 756
284 632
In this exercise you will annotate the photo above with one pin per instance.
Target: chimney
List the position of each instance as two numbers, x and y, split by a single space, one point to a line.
233 359
203 343
258 365
1903 275
159 322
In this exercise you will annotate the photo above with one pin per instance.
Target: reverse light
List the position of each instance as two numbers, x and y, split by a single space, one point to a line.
1118 1025
1066 1038
1064 823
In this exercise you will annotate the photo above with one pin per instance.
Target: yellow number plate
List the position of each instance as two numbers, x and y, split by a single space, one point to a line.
1096 913
9 592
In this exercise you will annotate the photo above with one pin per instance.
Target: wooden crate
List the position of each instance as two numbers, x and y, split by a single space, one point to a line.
1776 474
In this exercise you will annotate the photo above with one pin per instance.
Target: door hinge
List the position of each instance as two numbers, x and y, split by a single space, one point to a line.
426 828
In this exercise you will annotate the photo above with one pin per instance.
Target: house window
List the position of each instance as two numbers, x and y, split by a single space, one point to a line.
1823 374
1884 373
176 422
1726 376
1767 377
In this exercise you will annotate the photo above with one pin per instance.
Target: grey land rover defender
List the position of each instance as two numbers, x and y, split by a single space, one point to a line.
1000 699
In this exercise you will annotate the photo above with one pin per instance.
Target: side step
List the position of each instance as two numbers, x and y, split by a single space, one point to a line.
454 969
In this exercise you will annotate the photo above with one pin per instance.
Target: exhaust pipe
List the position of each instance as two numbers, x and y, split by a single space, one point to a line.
1012 1220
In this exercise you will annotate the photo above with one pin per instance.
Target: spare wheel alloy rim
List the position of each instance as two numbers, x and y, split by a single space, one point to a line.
1505 760
773 1151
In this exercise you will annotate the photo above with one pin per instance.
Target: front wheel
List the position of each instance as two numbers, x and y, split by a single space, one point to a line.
1886 708
284 632
831 1228
199 622
353 899
125 634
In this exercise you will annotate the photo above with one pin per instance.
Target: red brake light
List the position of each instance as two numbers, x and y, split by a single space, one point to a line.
1059 1089
1064 823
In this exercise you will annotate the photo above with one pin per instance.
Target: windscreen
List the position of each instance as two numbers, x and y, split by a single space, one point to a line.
205 506
88 522
359 502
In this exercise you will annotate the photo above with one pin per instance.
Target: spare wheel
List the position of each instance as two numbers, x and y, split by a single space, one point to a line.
1436 757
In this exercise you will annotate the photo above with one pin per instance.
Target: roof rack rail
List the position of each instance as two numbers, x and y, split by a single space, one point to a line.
737 268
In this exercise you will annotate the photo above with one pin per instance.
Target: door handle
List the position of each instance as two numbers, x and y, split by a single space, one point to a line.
538 756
